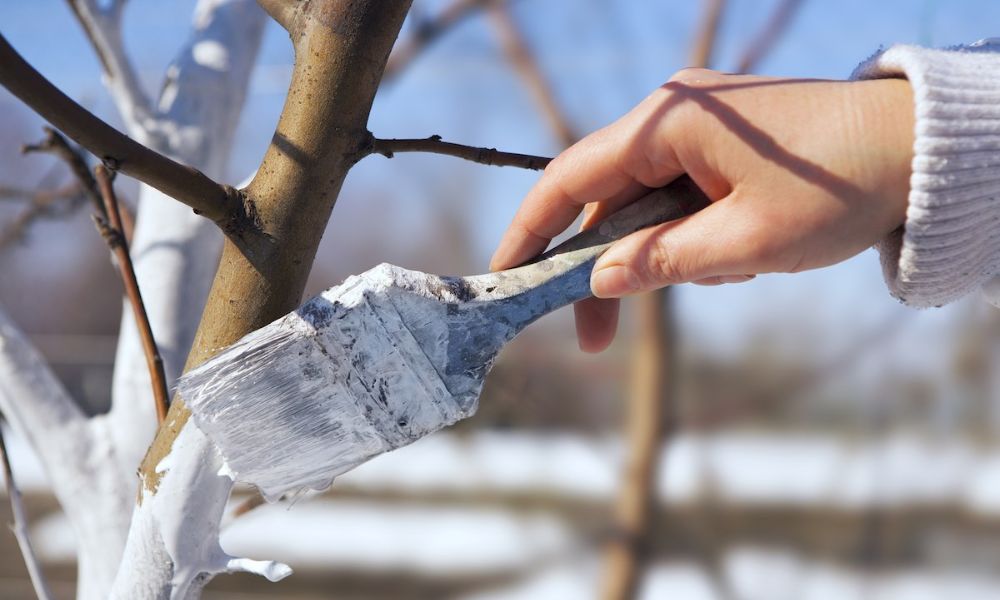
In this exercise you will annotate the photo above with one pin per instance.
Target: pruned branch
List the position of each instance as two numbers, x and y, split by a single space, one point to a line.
20 527
113 233
102 27
524 63
772 32
220 203
435 145
427 31
282 11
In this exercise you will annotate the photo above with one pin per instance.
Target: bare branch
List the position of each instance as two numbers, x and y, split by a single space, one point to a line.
772 32
113 233
57 145
704 42
435 145
20 527
222 204
103 28
429 31
45 203
523 61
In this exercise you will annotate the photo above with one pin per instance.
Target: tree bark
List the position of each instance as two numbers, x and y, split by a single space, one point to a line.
340 51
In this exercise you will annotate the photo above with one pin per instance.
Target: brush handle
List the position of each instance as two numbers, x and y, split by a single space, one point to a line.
677 199
561 275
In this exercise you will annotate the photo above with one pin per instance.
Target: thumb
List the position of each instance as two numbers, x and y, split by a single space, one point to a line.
713 242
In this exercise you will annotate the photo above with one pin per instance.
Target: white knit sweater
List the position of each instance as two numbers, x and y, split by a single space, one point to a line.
950 243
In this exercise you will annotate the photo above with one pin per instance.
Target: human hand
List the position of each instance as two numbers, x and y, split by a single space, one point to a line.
801 173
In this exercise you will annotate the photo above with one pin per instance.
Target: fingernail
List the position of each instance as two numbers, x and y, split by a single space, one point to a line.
613 281
735 278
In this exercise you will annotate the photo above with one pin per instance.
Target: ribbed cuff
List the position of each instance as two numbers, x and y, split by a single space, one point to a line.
950 243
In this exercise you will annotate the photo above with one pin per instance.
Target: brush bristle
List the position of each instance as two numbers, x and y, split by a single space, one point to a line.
321 390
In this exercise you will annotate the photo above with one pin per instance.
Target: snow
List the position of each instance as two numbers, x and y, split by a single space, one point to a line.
742 466
756 574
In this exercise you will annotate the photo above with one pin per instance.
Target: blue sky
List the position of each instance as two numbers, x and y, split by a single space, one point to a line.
603 57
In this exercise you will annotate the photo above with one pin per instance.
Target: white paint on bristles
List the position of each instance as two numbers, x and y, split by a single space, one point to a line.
340 380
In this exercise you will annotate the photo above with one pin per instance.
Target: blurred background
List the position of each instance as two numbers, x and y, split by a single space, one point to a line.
793 437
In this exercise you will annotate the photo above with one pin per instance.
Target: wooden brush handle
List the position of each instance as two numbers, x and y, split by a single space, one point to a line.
561 276
677 199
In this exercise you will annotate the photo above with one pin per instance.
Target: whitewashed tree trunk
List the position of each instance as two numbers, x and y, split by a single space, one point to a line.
92 462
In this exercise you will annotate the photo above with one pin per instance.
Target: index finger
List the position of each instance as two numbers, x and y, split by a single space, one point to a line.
601 167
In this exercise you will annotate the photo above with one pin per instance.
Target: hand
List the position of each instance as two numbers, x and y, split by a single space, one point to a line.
801 173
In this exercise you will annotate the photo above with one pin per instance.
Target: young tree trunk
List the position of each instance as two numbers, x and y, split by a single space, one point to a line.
340 50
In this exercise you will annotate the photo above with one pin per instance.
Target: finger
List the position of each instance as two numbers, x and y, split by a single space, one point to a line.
610 166
596 323
724 238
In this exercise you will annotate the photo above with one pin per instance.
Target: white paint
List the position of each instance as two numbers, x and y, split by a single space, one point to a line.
327 387
176 254
92 462
174 536
211 55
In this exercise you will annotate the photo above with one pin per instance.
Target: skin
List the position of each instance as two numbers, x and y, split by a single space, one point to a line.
802 174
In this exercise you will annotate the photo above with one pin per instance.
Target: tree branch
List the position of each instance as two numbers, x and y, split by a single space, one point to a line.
57 145
651 413
113 233
103 28
435 145
62 201
772 32
20 527
340 50
428 31
220 203
524 63
704 42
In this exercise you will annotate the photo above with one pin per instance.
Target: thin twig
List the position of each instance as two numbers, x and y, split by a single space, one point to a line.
427 31
112 232
44 203
704 42
765 40
251 503
523 60
222 204
435 145
20 527
102 26
57 145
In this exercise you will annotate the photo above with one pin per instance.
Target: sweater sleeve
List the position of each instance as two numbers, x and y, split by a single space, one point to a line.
950 243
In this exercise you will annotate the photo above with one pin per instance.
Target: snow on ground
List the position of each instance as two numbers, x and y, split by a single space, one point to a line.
435 541
356 535
755 574
743 466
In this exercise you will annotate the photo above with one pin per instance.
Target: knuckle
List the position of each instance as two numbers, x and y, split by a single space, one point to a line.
662 266
694 76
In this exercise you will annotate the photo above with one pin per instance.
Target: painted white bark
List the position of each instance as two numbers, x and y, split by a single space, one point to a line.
175 251
173 544
39 408
103 25
92 462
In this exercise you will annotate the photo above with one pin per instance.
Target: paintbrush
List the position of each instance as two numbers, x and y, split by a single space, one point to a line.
387 357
